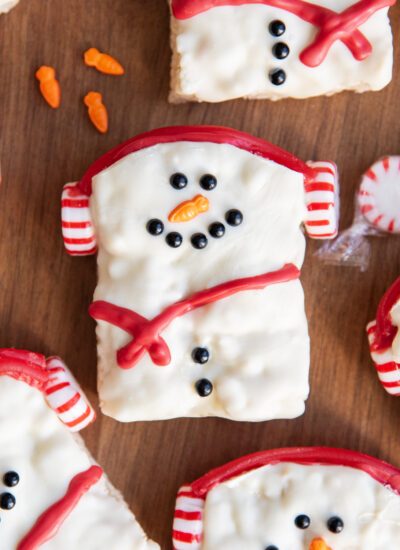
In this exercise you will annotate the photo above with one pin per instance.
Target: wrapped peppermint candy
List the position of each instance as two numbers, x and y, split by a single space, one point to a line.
377 213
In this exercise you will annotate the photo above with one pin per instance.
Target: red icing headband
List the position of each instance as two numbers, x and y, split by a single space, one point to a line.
25 366
210 134
332 26
382 472
385 331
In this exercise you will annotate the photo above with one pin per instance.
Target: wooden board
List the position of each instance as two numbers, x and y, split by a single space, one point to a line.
44 294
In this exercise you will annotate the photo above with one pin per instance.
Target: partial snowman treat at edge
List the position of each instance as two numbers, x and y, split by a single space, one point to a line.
53 495
384 339
199 306
272 49
292 499
7 5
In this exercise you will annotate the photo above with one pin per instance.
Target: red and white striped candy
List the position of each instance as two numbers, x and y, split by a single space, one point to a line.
379 195
188 520
322 201
77 228
65 397
388 369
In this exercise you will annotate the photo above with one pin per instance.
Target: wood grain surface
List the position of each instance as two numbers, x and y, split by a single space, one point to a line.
44 294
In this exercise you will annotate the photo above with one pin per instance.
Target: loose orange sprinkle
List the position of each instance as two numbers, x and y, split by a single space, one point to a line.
103 62
49 86
97 111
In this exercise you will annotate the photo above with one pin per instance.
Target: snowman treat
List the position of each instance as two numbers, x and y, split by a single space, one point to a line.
199 307
292 499
6 5
52 493
271 49
384 339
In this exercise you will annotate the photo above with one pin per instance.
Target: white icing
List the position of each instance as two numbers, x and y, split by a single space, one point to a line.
34 443
226 53
258 509
258 340
6 5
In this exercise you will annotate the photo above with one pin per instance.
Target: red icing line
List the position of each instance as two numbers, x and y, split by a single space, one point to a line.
25 366
202 134
146 333
49 523
332 26
385 330
381 471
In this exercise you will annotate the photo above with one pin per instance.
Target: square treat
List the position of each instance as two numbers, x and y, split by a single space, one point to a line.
53 495
199 307
271 49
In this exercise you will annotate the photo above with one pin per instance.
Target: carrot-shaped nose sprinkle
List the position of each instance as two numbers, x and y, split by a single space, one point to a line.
97 111
102 61
49 87
188 210
319 544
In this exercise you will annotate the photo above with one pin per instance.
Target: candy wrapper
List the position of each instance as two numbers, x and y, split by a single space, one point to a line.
377 213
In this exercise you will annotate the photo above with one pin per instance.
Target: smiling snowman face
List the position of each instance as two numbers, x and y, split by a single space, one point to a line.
295 507
175 222
328 499
39 458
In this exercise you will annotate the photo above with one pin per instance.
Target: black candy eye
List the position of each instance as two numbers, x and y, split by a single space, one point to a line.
277 77
234 217
174 240
7 501
208 182
200 355
178 181
199 240
204 387
335 524
277 28
280 50
217 230
155 227
302 521
11 479
271 547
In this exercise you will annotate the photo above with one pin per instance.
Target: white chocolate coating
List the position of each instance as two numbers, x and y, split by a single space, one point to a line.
6 5
395 317
258 509
35 444
226 53
258 340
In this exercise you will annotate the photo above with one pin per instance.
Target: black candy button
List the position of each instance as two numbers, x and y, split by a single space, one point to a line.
277 77
174 240
217 230
280 50
277 28
302 521
200 355
155 227
271 547
178 181
335 524
199 240
234 217
208 182
7 501
11 479
204 387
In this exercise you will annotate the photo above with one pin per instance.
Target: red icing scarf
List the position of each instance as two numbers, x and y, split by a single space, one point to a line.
147 334
49 523
332 26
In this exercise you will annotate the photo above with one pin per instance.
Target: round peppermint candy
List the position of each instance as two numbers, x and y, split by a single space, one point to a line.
379 195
